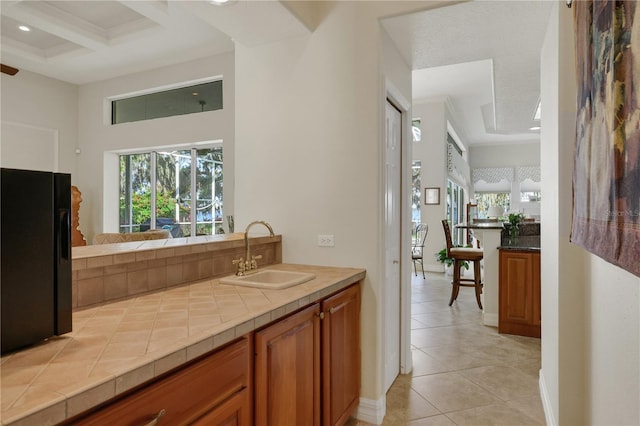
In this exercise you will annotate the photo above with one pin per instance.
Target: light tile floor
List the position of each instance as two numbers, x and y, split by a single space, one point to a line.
464 373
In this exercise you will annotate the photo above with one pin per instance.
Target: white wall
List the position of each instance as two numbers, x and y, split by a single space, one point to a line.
34 106
435 116
99 140
308 150
612 328
563 264
590 309
432 152
505 155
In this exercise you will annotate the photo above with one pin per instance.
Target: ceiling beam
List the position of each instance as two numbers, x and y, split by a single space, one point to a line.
156 11
250 23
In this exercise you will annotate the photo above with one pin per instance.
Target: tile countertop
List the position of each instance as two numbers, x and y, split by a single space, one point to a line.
96 250
116 346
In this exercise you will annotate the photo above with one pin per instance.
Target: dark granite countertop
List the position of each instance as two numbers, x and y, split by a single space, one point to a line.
521 243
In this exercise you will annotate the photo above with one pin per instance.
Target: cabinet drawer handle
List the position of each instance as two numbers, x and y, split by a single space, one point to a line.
157 418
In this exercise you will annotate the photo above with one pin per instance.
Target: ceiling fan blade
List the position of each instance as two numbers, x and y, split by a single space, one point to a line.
8 70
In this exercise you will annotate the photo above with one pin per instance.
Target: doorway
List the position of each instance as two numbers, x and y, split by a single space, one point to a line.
392 221
396 295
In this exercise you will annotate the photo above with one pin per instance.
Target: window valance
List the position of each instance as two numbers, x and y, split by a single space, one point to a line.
497 174
529 172
493 174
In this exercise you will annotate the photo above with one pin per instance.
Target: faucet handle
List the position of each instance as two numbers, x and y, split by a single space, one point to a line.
254 263
241 266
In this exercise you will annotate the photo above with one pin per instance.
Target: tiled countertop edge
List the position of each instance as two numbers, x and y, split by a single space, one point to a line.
112 254
154 365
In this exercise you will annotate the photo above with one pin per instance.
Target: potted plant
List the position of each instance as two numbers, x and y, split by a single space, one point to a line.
441 257
514 224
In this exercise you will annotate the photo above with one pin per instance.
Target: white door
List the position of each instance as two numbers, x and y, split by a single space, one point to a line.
391 317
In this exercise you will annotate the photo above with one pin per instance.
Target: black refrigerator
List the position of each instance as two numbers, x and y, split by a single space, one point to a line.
35 269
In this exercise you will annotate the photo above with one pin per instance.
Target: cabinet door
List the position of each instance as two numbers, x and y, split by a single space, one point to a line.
287 371
340 356
518 294
536 291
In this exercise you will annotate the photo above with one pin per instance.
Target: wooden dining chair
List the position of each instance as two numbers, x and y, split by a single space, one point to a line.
417 248
460 255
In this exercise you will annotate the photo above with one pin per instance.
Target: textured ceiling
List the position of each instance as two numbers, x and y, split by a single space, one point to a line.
446 46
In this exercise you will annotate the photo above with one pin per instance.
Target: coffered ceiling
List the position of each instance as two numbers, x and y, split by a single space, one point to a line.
81 41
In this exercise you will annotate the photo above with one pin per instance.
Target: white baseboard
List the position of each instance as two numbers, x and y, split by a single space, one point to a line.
546 402
490 319
372 411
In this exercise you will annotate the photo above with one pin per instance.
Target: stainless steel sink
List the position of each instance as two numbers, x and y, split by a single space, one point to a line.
269 278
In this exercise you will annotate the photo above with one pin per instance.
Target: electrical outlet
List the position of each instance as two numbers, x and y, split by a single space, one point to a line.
325 241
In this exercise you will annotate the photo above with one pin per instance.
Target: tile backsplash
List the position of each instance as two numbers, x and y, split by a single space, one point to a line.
132 269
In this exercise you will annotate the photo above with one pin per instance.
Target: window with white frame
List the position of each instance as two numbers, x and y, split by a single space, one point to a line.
455 210
416 130
175 189
416 193
484 200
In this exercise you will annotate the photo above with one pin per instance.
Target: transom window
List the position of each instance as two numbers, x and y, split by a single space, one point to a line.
175 189
168 103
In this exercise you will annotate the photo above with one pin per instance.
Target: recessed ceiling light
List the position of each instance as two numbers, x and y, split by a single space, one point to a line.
24 28
195 93
219 2
534 128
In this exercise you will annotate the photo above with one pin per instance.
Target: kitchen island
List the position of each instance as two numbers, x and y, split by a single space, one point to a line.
489 234
519 285
118 345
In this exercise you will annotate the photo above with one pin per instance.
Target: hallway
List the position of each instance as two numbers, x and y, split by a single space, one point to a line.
464 373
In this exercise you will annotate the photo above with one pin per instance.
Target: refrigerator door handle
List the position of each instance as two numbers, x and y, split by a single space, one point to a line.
65 230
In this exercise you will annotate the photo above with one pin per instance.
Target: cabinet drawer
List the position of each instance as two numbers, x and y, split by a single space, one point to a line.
185 395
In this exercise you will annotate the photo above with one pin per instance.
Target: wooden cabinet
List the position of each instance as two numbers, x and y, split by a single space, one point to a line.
213 391
340 356
301 370
287 371
291 354
519 293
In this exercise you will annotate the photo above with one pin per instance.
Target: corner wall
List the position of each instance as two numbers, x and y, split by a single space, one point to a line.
432 152
590 309
309 160
308 153
563 264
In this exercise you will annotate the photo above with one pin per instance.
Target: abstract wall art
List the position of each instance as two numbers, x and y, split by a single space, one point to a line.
606 179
